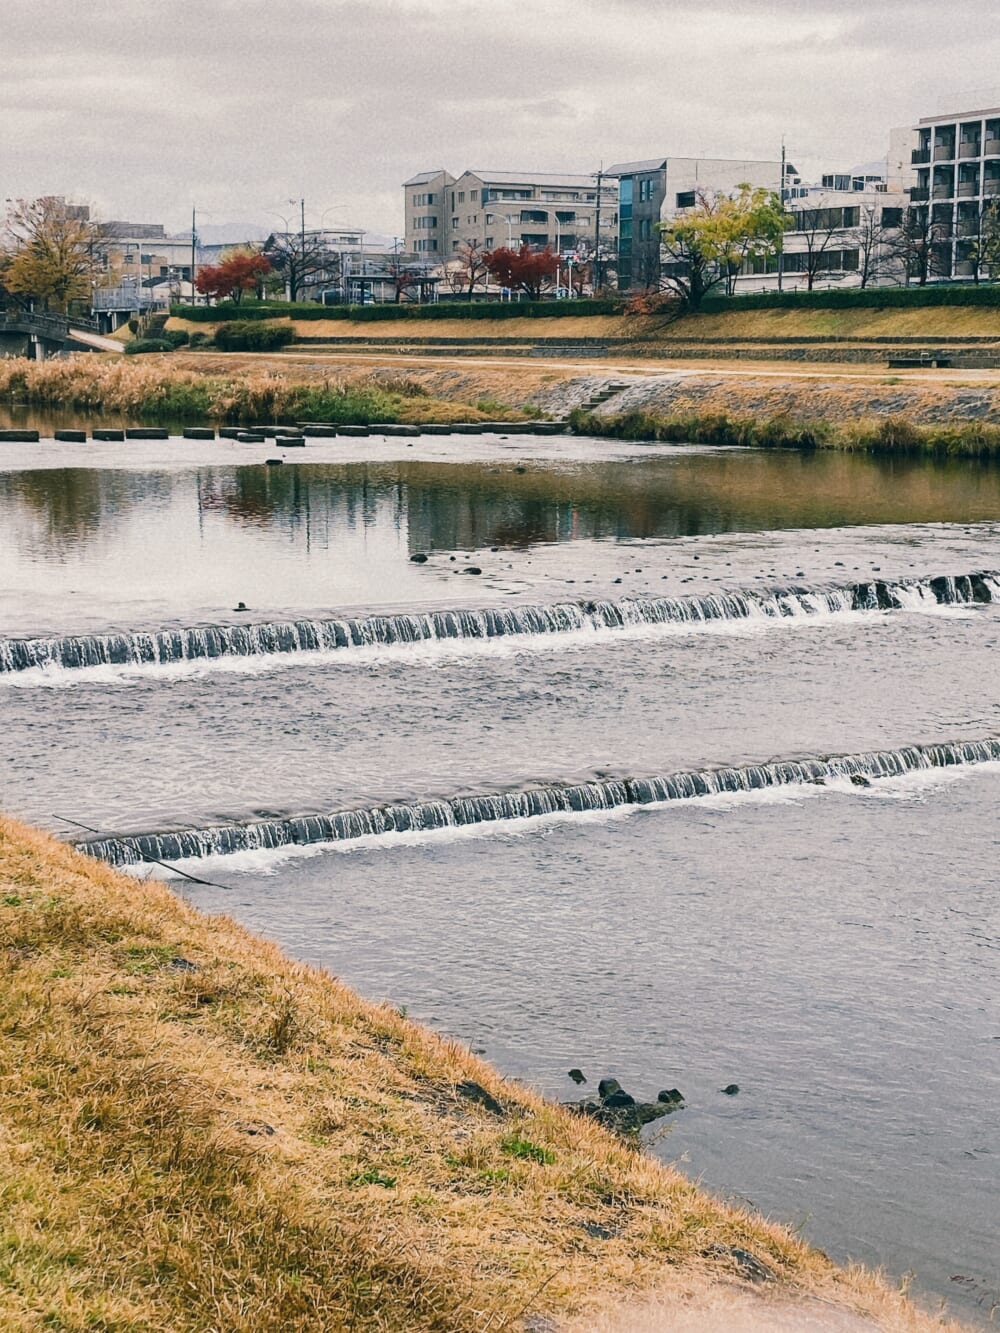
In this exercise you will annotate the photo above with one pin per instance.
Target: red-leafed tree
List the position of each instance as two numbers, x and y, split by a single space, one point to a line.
238 273
523 270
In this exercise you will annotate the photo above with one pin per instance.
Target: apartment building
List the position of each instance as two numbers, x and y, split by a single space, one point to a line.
489 209
651 191
951 175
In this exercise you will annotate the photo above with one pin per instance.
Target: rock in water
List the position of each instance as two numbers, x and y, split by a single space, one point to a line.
577 1075
731 1089
607 1086
419 558
618 1099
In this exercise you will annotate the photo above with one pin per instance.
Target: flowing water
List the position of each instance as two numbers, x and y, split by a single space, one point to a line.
691 782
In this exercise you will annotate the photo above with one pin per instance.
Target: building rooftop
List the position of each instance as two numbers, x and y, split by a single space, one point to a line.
535 177
423 177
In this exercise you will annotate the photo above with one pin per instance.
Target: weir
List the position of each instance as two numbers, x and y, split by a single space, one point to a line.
201 643
463 811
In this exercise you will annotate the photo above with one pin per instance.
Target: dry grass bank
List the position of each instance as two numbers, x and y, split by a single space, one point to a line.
747 325
238 389
198 1134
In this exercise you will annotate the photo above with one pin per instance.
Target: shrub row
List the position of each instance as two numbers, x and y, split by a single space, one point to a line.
844 298
247 335
886 435
140 345
376 313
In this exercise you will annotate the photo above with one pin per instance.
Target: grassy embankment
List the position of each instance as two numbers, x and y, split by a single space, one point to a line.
891 435
734 326
198 1133
162 389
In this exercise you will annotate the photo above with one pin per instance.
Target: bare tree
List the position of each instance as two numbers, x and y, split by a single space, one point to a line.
468 270
301 259
821 231
918 245
875 242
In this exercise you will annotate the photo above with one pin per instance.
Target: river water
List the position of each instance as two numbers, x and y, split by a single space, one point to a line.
583 831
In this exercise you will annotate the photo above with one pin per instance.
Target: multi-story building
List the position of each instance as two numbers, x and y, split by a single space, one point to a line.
951 173
652 191
487 209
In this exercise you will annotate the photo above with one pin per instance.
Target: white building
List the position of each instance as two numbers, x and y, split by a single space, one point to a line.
950 167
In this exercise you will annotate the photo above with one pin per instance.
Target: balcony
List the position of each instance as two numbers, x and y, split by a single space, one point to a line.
970 148
920 156
945 191
944 152
965 268
919 196
968 189
992 147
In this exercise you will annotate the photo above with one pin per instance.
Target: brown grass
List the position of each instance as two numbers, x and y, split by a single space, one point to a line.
245 1145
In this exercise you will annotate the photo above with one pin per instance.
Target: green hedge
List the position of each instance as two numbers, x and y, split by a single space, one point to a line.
487 310
846 298
140 345
247 335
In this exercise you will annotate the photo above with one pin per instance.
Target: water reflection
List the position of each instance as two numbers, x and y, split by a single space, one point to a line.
455 506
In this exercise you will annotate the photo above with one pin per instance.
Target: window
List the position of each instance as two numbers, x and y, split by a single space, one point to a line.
422 247
454 224
488 243
425 224
646 189
461 196
686 199
424 200
892 217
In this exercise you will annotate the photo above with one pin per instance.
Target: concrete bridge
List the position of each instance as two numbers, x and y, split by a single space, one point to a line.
38 334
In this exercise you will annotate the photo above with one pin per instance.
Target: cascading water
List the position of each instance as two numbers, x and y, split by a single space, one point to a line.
162 647
608 794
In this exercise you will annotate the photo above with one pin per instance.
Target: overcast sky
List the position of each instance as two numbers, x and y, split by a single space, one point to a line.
143 107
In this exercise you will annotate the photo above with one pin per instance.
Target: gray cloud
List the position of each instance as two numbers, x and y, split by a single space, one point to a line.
240 105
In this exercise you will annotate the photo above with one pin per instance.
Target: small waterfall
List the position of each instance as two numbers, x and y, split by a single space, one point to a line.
608 794
300 636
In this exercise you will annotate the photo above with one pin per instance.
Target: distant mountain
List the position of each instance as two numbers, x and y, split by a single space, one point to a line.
227 233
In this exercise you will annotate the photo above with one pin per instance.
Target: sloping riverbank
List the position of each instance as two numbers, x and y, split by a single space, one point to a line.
201 1133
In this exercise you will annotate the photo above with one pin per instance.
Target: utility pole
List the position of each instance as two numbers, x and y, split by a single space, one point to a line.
781 252
192 252
302 240
597 232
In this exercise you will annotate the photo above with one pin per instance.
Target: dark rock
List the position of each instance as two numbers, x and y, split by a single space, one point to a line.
274 462
731 1089
618 1098
183 964
199 433
860 780
147 433
670 1096
108 434
475 1092
472 569
748 1265
255 1128
241 606
616 580
520 469
607 1086
539 1323
577 1075
597 1231
14 436
419 558
71 436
